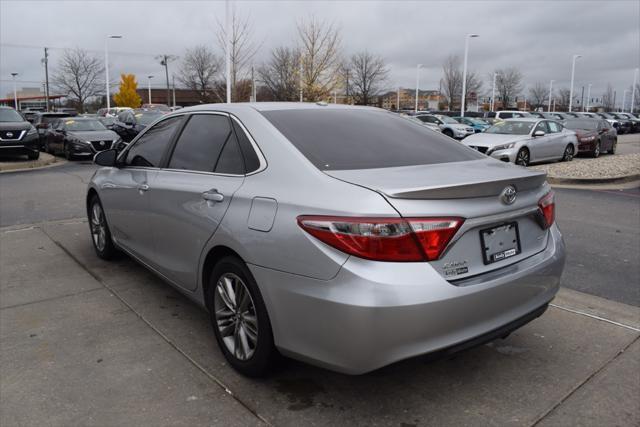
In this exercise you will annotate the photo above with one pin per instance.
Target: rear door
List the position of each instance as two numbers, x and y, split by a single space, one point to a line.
189 197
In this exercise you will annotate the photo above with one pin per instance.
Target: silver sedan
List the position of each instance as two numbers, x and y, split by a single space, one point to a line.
347 237
526 140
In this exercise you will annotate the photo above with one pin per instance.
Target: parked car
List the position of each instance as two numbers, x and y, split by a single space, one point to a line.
449 126
627 121
595 136
29 115
107 121
340 276
113 111
67 110
431 126
560 116
130 123
42 121
526 140
17 135
588 115
478 125
614 122
156 107
79 137
510 114
176 108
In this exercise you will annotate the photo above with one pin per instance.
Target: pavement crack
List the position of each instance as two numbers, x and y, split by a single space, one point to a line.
162 335
586 380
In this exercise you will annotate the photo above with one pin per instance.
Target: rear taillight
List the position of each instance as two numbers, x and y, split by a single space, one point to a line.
384 239
547 206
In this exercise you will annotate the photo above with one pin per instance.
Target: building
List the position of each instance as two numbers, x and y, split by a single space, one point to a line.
427 99
183 97
29 98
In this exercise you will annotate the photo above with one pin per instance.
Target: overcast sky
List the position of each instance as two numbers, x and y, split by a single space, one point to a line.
538 37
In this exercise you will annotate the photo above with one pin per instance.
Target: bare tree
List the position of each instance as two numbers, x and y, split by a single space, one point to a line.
281 74
562 99
452 82
538 95
508 85
368 75
320 50
608 98
79 75
242 49
199 71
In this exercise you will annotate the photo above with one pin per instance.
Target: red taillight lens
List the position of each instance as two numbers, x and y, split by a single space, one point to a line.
384 239
547 206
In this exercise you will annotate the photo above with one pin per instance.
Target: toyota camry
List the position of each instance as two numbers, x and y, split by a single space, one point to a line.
346 237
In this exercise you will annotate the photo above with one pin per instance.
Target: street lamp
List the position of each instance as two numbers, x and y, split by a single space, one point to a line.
493 92
588 99
149 87
106 67
550 95
633 91
15 92
417 83
464 71
573 72
624 99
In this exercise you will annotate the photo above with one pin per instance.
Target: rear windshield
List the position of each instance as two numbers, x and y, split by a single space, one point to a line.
588 124
365 139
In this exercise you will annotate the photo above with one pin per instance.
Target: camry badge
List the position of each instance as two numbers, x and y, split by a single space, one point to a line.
508 195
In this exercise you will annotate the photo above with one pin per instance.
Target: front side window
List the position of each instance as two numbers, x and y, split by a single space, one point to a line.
334 139
554 127
542 126
148 150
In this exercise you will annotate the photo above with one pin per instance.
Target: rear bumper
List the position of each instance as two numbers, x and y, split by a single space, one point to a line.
373 314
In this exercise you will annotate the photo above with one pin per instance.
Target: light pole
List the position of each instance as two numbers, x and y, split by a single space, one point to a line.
573 72
588 99
464 71
550 95
106 67
624 99
15 92
398 100
633 91
227 44
493 92
149 88
417 84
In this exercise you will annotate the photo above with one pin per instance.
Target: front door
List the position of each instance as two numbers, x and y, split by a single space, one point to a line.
191 196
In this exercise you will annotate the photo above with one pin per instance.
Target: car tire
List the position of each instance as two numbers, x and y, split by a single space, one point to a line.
243 335
34 156
614 146
99 229
568 153
448 132
67 152
596 151
523 157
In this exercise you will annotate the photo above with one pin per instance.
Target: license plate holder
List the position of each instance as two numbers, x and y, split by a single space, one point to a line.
500 242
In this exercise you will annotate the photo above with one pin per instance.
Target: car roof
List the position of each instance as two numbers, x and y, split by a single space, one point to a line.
274 106
525 119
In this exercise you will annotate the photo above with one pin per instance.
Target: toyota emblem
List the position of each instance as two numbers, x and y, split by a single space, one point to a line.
508 195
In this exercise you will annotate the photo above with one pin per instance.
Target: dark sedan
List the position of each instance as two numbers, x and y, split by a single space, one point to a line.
77 136
42 122
17 136
595 136
128 124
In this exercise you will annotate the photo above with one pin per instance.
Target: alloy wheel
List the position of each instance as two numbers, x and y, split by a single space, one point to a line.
596 151
236 317
98 227
522 158
568 153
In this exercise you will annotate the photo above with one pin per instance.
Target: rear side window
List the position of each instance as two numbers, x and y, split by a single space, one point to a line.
506 115
201 143
339 139
252 163
148 150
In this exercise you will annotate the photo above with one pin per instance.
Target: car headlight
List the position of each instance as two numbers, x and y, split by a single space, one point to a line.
504 146
587 139
32 131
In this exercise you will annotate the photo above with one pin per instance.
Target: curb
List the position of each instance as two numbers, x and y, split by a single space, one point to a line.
588 181
41 163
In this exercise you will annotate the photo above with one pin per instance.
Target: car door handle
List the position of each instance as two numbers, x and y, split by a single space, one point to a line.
213 196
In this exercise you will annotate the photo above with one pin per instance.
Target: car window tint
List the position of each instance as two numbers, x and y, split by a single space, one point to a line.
148 150
506 115
201 142
231 160
335 139
251 160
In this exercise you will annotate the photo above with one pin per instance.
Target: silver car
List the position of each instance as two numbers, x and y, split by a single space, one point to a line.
347 237
526 140
447 125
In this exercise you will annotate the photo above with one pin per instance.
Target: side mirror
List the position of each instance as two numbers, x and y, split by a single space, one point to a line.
106 158
538 133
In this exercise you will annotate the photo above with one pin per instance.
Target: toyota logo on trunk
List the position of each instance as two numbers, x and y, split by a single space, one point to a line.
508 195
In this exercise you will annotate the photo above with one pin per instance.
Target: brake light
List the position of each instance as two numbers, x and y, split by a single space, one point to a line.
547 206
384 239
